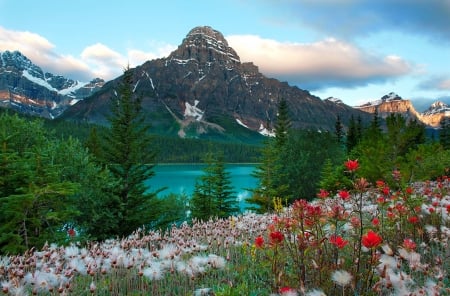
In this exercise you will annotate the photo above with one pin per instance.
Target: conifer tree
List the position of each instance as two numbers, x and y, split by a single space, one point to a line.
339 129
282 125
352 135
444 132
129 156
213 195
271 172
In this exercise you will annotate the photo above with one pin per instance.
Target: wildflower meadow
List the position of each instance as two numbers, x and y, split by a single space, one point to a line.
371 239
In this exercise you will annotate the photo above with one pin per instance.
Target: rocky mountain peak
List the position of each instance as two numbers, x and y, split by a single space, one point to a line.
204 45
437 107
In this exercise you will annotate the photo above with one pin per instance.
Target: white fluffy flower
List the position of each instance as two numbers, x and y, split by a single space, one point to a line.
341 277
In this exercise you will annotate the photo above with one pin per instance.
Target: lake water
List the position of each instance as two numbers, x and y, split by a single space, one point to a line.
180 178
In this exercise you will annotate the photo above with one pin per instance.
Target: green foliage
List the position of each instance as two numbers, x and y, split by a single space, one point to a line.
271 179
303 160
213 194
128 154
444 132
382 153
426 162
35 201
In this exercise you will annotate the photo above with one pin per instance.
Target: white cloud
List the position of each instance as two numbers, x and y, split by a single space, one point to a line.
325 63
95 60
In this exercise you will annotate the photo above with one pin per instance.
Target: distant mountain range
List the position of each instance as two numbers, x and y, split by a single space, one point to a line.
27 89
201 90
393 103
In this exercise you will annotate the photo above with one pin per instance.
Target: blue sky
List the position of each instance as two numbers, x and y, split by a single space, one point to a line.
355 50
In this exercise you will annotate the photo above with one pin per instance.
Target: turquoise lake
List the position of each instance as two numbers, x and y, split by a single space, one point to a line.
180 178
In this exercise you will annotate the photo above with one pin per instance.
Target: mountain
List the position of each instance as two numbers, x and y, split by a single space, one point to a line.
203 89
393 103
26 88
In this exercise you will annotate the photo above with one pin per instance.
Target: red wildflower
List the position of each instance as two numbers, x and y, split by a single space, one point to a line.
351 165
448 208
323 193
71 232
409 244
413 219
344 194
409 190
380 183
259 242
338 241
385 190
375 221
286 290
371 240
276 237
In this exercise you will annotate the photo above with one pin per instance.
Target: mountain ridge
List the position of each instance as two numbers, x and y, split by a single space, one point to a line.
393 103
25 87
205 75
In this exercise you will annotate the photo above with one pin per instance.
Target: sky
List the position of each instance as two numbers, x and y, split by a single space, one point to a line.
354 50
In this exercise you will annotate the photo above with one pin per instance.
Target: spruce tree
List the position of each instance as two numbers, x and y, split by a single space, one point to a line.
282 125
129 156
339 129
444 132
213 195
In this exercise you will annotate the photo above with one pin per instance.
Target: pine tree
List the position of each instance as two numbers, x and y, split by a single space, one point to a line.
339 129
129 156
283 124
444 132
213 195
352 135
271 172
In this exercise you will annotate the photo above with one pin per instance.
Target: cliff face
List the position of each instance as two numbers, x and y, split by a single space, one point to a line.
393 103
24 87
202 86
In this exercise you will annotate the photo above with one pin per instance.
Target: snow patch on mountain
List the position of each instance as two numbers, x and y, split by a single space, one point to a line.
265 132
438 107
193 110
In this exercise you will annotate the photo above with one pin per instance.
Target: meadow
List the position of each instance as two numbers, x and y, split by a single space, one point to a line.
372 239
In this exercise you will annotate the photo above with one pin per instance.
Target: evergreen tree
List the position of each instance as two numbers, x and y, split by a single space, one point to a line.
266 173
93 143
282 125
271 172
374 131
213 195
339 129
35 201
444 132
129 156
352 135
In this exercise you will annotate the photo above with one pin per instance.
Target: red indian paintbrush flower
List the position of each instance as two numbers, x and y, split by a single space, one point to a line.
344 194
371 240
409 244
259 242
276 237
338 241
323 193
351 165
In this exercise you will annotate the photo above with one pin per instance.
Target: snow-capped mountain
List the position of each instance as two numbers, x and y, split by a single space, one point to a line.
393 103
25 87
207 91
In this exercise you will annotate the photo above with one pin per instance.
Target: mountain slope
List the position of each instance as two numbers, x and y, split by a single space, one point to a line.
203 89
393 103
26 88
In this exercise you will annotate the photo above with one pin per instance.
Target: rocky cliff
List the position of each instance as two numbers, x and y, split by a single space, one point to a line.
203 87
393 103
27 89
